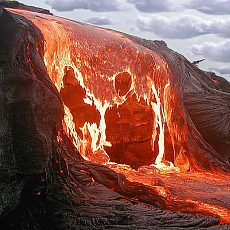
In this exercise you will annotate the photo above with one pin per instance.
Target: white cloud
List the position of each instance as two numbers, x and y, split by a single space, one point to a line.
153 6
216 7
219 52
177 27
94 5
221 27
183 27
221 69
100 21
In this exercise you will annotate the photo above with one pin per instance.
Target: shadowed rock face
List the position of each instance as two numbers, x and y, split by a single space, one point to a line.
46 184
27 126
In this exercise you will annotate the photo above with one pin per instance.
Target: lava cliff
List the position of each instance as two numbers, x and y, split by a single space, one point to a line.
101 129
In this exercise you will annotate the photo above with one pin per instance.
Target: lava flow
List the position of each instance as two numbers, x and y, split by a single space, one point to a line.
122 109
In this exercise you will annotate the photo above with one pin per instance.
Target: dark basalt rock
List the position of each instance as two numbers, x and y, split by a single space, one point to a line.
44 182
18 5
27 126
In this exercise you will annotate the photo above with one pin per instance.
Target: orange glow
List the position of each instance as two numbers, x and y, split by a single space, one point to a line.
217 211
110 71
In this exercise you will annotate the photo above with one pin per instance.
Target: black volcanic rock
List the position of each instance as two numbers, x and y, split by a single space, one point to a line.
44 182
18 5
27 126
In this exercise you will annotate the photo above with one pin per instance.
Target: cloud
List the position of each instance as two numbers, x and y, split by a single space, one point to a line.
221 69
153 6
184 27
177 27
94 5
216 7
221 27
219 52
100 21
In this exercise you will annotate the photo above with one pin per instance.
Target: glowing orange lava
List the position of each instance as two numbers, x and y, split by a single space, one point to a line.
110 70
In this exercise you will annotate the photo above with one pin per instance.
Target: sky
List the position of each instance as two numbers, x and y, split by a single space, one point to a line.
196 29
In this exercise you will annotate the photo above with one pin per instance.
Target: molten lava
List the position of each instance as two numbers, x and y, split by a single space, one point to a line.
121 105
88 61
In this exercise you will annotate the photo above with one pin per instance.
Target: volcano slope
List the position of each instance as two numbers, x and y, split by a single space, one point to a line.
103 130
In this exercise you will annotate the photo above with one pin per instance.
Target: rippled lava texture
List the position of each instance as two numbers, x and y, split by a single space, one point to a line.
75 98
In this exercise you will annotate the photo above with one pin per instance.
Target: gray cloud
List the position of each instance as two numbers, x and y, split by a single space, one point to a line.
153 6
183 27
221 69
221 27
94 5
219 52
216 7
176 27
100 21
